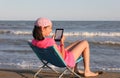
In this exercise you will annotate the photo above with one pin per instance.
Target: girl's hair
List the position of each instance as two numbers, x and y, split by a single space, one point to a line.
37 33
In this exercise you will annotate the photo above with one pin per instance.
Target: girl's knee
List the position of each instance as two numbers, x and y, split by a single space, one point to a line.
85 42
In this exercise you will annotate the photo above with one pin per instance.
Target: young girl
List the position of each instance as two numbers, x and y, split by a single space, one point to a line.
43 28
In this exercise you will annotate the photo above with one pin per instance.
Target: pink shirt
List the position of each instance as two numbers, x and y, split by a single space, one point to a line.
47 42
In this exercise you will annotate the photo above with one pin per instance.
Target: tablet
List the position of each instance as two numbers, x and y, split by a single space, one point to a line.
58 34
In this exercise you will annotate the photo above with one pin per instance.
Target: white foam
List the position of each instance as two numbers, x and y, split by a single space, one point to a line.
91 34
111 69
21 32
88 34
108 42
27 65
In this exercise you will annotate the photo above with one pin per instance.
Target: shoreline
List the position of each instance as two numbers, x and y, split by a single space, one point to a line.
27 73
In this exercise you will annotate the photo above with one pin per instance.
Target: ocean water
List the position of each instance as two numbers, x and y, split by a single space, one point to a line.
103 37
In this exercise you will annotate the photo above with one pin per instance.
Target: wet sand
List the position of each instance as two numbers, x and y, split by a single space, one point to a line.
20 73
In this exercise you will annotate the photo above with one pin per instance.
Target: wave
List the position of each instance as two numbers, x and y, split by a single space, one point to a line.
33 65
91 34
15 32
23 64
116 43
106 42
87 34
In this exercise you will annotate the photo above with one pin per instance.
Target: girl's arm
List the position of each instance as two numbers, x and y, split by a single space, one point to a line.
62 55
62 47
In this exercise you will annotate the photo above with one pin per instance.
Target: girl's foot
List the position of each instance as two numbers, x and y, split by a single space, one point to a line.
88 74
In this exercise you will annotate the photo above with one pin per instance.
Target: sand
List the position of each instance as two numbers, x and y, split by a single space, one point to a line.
22 73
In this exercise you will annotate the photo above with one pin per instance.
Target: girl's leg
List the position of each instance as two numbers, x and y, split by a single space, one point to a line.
78 71
83 48
72 45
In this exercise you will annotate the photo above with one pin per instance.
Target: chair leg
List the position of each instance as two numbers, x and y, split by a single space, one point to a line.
62 73
67 68
52 69
38 71
45 65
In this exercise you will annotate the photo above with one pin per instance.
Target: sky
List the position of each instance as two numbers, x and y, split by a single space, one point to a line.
60 9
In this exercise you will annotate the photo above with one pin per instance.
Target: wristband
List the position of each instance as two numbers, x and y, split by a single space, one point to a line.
61 44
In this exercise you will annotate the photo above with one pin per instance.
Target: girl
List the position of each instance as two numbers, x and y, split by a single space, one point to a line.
43 28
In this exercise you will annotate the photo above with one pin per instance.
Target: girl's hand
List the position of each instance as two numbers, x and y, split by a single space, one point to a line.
62 39
53 36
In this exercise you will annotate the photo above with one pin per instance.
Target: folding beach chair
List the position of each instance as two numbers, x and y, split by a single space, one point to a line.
52 56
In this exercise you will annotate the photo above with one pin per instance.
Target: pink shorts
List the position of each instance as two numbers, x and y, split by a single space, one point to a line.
69 59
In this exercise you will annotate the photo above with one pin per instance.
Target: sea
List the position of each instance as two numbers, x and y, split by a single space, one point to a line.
103 38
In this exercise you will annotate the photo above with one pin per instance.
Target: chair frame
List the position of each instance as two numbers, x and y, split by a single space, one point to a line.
45 63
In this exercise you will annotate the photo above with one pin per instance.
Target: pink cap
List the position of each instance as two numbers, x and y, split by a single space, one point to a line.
43 22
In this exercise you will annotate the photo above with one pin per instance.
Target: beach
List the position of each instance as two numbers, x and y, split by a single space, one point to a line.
18 73
17 60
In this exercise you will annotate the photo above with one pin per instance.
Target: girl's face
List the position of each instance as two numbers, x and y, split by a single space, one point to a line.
47 30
